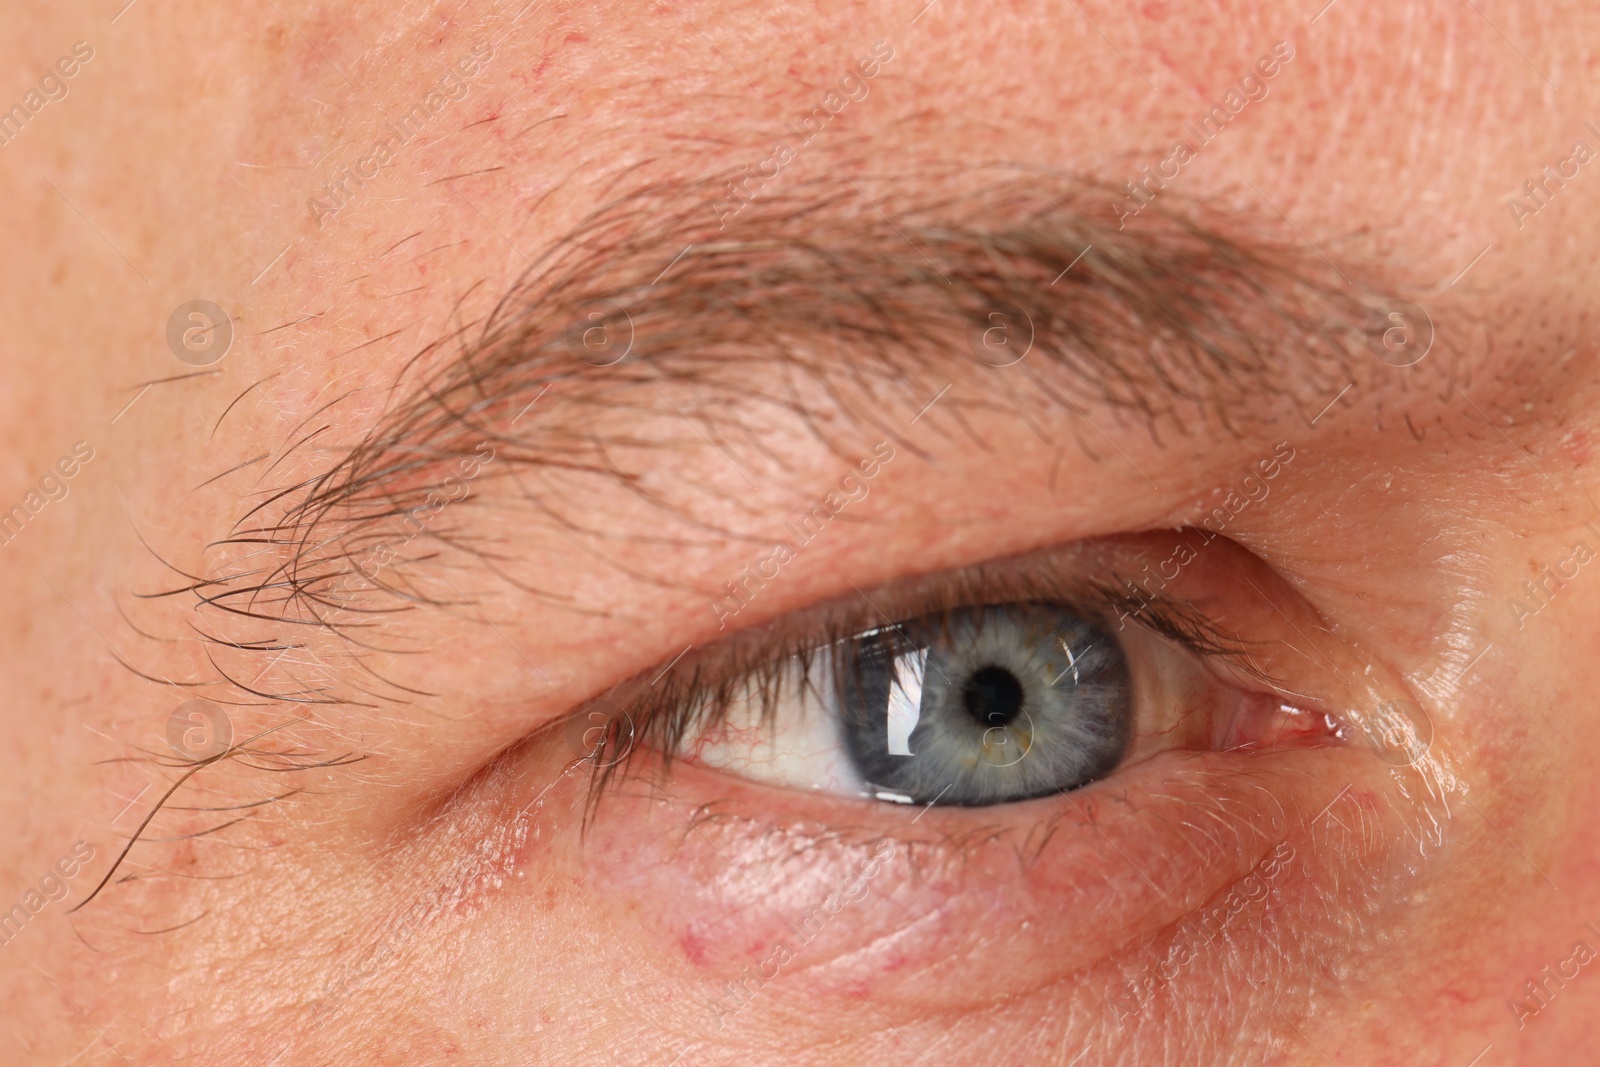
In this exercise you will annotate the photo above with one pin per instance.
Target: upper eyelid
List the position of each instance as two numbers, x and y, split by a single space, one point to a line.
654 701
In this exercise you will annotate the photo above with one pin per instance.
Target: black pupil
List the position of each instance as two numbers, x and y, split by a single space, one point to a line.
993 696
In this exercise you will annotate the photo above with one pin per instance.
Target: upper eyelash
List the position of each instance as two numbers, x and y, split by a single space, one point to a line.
1181 621
661 709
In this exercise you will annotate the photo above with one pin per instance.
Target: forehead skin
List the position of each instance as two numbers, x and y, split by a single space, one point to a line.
180 164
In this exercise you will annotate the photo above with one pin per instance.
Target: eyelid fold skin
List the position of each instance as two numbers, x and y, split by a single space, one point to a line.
968 907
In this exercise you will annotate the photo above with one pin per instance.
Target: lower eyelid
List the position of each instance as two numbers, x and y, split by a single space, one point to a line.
1084 875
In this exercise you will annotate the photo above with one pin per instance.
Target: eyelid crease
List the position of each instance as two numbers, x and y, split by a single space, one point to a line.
695 694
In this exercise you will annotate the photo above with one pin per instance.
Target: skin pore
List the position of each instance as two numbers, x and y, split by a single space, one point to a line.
528 375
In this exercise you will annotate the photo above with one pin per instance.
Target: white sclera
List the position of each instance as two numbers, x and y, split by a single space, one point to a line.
805 749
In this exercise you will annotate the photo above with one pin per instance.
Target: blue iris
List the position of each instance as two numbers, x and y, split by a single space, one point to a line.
985 705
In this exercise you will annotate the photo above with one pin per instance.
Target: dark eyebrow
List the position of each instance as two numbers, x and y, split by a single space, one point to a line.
1180 313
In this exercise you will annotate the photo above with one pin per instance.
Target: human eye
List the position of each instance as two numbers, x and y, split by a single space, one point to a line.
1110 781
985 702
1047 766
970 706
1002 683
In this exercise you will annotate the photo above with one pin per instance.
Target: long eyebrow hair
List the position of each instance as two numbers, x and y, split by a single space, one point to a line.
1183 313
